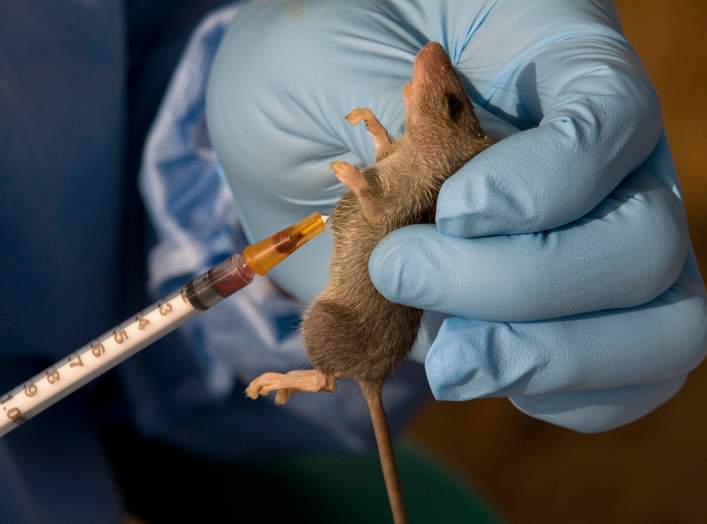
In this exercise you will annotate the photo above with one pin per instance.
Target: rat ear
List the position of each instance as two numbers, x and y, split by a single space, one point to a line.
368 195
454 106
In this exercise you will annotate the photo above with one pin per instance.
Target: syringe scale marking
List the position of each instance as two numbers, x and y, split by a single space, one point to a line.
94 358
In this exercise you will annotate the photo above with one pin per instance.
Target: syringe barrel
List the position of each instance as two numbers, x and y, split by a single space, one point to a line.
151 324
219 282
123 341
95 358
266 254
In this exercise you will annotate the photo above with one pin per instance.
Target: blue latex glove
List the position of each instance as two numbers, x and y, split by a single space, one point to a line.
561 253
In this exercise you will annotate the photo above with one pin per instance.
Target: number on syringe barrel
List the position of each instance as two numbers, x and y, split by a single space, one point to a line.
30 390
142 323
75 361
165 309
53 376
15 415
98 350
120 336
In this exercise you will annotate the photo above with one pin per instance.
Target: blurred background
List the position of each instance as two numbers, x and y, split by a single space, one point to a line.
654 470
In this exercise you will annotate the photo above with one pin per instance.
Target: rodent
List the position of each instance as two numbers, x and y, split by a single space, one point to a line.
350 330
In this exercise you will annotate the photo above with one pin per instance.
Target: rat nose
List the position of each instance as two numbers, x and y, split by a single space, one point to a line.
432 48
431 58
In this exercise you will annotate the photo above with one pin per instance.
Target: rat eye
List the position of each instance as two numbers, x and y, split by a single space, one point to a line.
454 106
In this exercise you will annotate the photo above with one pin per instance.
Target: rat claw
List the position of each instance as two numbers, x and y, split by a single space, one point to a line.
284 395
350 176
337 165
381 139
357 115
260 386
265 384
355 180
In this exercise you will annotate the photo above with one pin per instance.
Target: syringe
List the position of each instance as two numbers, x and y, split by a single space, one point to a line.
88 362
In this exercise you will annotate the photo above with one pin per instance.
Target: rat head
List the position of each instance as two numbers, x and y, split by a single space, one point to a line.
438 112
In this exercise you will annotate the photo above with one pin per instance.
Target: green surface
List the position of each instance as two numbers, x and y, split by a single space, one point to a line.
162 484
350 489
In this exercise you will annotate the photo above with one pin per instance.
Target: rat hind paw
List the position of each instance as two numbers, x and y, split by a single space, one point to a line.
287 384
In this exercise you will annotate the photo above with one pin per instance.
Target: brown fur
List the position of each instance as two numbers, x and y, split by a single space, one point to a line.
351 330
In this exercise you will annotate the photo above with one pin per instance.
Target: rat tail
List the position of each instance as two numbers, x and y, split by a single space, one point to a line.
372 392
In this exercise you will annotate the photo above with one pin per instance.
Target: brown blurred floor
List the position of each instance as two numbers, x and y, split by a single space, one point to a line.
654 470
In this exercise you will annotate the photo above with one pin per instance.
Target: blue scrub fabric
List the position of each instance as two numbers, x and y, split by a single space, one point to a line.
80 83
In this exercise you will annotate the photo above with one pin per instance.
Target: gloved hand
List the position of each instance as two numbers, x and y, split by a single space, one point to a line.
561 253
